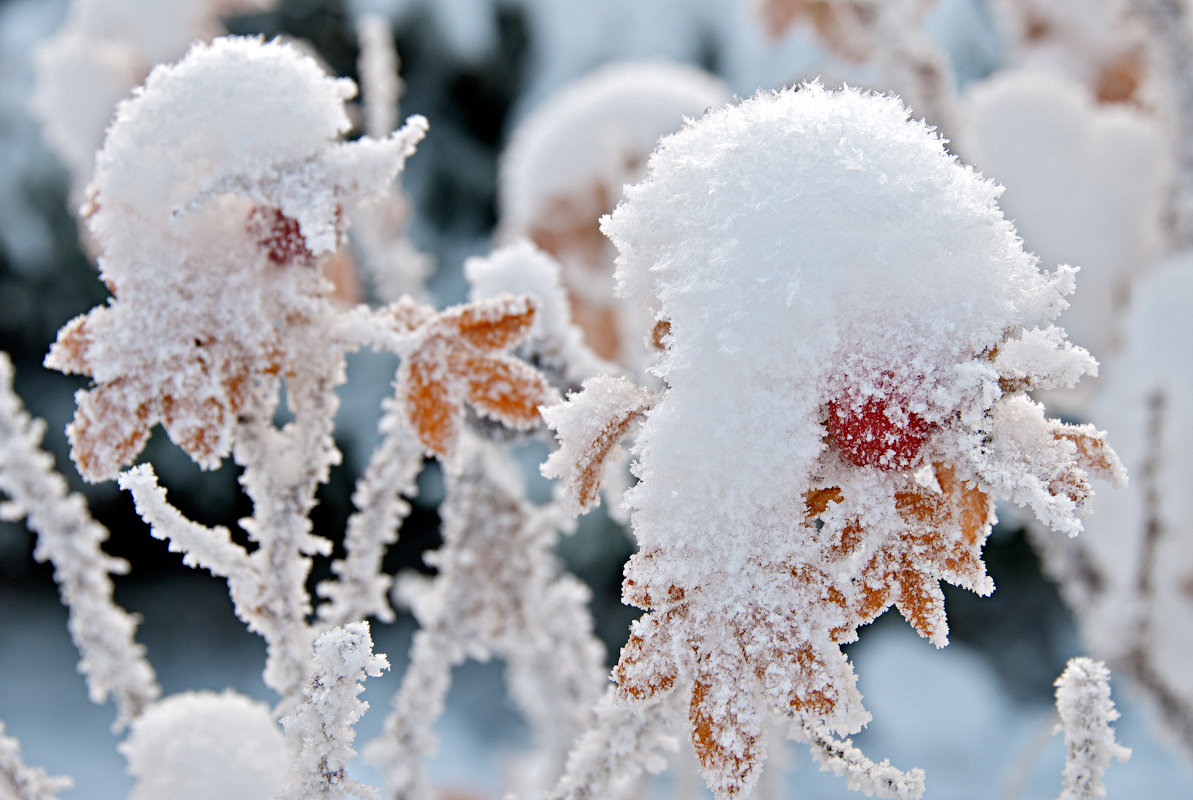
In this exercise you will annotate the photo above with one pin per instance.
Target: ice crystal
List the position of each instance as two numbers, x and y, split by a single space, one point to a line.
838 414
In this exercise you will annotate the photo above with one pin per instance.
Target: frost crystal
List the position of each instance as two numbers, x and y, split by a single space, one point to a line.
837 416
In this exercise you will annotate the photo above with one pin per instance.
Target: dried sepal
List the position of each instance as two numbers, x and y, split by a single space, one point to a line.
1093 453
937 534
590 425
728 736
458 358
110 428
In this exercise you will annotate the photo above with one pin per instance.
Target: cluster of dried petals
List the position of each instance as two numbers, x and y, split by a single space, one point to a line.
852 327
1102 45
210 208
459 356
846 26
564 169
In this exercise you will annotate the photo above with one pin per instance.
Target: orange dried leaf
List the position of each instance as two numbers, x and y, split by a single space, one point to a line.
429 405
491 325
458 360
109 429
726 745
508 390
69 352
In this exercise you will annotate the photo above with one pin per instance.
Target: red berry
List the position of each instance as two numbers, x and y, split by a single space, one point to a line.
867 436
280 236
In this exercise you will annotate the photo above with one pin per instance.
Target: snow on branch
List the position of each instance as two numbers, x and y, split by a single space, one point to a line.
361 589
1086 711
21 782
623 741
71 541
324 722
206 548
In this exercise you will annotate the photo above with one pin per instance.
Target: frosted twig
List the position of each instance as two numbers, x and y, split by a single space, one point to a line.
206 548
495 576
380 86
282 470
21 782
71 541
324 722
624 740
407 739
267 586
843 759
1176 712
362 590
1086 711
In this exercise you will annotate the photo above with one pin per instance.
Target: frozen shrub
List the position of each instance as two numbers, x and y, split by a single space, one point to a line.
1099 44
1129 579
851 329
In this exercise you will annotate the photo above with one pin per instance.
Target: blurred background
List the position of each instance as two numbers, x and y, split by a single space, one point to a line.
976 716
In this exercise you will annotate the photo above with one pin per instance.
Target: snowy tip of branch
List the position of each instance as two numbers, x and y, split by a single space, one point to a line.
1086 711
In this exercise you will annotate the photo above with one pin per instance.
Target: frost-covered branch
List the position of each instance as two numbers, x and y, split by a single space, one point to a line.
71 541
622 741
861 774
380 86
324 722
361 589
495 576
1170 41
21 782
1086 711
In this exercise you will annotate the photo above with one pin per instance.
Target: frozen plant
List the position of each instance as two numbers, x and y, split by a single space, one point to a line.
889 34
851 329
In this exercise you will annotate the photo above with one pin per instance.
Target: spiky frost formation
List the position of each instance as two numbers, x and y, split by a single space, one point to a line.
218 185
852 328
